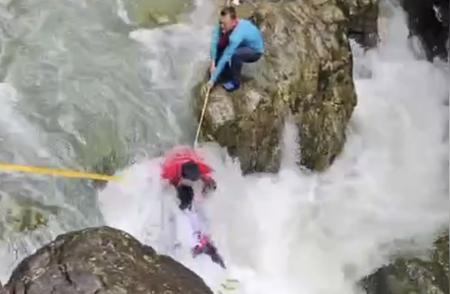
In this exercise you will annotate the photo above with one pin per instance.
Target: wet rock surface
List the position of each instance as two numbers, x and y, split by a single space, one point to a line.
428 20
101 260
362 15
414 275
306 71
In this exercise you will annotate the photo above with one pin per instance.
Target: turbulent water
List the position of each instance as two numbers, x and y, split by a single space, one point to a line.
80 85
81 89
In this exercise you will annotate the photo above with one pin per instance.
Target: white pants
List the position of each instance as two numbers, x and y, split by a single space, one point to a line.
188 222
195 227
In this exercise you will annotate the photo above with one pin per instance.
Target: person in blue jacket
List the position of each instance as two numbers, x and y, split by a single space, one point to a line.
234 41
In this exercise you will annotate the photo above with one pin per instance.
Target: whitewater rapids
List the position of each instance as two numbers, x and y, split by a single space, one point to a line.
300 232
77 84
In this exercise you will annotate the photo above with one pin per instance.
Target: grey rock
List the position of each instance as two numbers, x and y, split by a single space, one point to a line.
101 261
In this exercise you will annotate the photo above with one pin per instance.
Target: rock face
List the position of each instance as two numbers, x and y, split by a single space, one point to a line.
101 260
362 15
429 21
306 71
415 275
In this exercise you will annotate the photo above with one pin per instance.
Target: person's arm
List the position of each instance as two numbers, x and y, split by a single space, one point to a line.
235 41
208 183
214 43
206 178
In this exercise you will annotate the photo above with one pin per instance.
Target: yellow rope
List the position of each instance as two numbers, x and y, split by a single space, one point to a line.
84 175
208 91
56 172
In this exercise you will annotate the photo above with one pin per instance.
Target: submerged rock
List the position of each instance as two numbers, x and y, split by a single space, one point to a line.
101 260
415 275
20 214
306 71
146 13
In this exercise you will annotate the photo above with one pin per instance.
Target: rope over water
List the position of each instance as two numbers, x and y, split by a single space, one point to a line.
227 286
85 175
56 172
205 103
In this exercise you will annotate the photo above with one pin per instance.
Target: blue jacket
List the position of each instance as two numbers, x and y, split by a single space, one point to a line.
245 34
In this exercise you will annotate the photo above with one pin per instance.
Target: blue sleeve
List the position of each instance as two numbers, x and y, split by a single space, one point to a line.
214 42
235 41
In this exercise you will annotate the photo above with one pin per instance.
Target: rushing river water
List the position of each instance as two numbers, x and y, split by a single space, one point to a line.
83 88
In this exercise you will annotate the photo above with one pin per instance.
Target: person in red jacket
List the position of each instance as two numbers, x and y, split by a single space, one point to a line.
183 168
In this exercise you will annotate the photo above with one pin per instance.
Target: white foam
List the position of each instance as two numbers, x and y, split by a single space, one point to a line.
297 232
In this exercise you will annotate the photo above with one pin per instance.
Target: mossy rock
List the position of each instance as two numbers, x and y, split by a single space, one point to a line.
305 72
414 275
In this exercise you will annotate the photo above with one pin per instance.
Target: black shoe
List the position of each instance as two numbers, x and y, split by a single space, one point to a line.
215 257
231 86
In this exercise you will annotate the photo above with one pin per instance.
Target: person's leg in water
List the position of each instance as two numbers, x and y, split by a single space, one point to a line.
185 194
200 242
242 54
206 247
211 250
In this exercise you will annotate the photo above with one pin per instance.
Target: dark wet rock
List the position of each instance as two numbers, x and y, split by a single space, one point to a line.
362 15
101 260
306 71
428 20
414 275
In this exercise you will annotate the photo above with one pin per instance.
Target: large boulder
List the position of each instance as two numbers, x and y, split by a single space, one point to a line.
101 260
306 71
414 275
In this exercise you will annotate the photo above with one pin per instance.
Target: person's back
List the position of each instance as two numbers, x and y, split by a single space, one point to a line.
248 35
183 157
245 44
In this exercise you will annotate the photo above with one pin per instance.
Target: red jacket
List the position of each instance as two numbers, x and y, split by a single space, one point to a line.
171 167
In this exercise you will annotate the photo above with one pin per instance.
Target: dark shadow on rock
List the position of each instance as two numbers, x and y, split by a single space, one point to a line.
429 21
